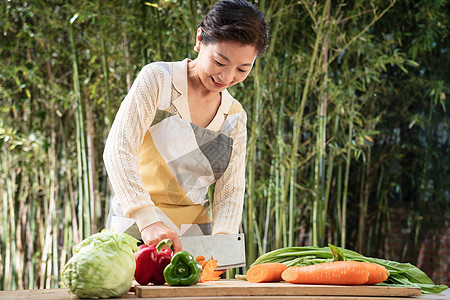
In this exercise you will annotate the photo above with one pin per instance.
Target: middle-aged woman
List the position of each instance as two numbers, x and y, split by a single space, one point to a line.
178 131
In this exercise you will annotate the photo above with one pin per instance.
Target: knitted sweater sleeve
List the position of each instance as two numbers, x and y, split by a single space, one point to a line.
229 189
132 120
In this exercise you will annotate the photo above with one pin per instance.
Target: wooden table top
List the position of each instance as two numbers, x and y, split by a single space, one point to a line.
238 289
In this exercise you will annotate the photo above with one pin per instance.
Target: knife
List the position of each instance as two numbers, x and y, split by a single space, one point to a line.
227 249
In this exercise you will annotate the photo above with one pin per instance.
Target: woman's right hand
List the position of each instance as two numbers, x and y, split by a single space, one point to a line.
156 232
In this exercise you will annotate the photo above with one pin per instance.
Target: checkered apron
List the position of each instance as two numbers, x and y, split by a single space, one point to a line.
178 162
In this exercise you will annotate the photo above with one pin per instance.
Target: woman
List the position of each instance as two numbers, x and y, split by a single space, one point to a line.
178 131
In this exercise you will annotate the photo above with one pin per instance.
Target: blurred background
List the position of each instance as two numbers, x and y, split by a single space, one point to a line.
348 125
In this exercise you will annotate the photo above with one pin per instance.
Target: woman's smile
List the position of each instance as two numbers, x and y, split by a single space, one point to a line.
219 85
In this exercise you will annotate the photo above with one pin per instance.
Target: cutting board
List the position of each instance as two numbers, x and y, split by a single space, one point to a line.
234 287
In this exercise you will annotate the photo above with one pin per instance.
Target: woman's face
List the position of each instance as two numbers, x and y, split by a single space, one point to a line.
223 64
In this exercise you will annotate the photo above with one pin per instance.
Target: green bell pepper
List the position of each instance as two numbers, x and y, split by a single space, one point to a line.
183 270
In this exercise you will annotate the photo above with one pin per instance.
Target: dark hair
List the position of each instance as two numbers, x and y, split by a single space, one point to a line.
235 20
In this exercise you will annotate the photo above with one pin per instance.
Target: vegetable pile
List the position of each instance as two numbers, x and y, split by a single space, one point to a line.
102 266
399 274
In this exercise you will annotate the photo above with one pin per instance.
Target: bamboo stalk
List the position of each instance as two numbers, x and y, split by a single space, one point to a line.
347 176
90 152
40 246
78 124
83 173
108 115
365 190
339 197
278 197
269 209
361 217
330 168
2 228
254 133
46 266
66 220
278 211
3 216
12 186
317 203
6 223
76 234
292 198
21 223
32 237
323 129
293 188
278 170
54 275
43 234
277 22
257 235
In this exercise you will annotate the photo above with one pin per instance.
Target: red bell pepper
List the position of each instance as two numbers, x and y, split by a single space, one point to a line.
151 261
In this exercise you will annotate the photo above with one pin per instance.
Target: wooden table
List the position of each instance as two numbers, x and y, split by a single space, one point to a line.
238 289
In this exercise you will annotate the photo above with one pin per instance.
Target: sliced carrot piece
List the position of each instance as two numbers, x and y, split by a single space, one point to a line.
203 263
200 258
209 271
268 272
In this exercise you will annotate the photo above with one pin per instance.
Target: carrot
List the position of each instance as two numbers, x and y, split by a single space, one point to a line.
377 273
201 260
203 263
267 272
336 272
209 272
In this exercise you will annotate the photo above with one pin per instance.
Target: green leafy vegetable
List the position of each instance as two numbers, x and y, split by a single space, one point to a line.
102 266
337 254
401 274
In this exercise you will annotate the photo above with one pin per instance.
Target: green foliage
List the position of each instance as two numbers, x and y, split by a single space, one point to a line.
347 122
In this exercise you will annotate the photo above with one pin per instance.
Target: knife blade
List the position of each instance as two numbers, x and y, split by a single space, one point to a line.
227 249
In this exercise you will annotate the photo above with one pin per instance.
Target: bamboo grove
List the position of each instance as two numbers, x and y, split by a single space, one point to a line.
347 122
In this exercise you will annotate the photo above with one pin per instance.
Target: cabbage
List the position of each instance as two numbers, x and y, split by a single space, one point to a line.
102 266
